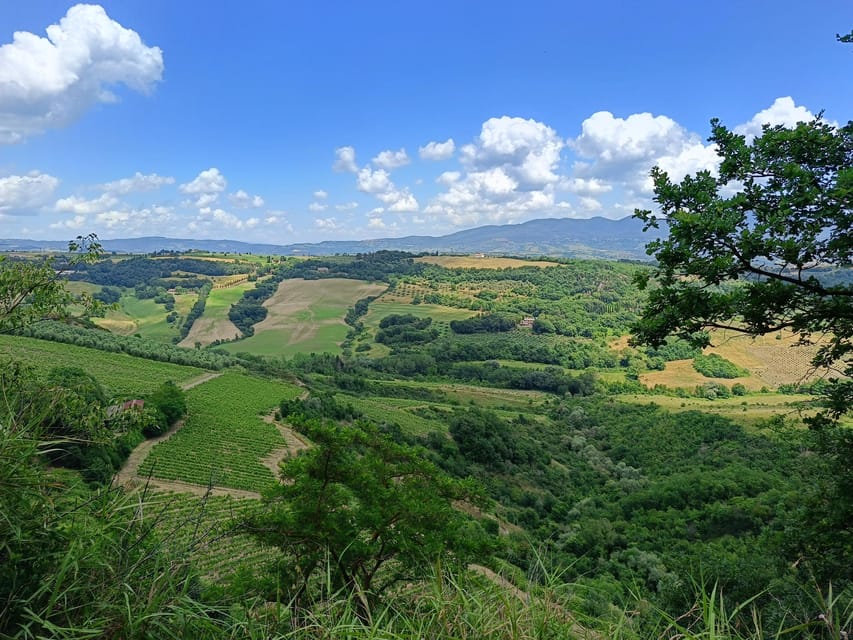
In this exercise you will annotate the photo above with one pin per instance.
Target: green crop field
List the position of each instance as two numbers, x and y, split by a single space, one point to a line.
119 373
395 410
746 410
203 528
145 317
214 323
439 314
305 316
225 437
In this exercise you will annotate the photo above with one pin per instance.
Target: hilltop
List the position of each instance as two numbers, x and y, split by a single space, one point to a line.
588 238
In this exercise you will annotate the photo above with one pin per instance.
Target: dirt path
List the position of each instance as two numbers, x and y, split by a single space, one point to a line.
178 486
294 443
194 382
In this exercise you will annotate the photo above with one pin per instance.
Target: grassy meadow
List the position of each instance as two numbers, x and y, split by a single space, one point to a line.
146 317
214 323
305 316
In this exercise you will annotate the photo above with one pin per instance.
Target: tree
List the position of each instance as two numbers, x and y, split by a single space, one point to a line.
31 291
751 251
364 509
749 260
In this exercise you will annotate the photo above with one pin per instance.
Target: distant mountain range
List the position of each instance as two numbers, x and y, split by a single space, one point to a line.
568 237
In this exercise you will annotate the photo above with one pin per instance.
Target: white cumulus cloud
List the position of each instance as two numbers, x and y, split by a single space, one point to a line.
320 194
391 159
370 181
243 200
783 111
327 224
22 194
136 182
437 150
75 204
345 160
206 186
511 172
620 152
49 82
76 222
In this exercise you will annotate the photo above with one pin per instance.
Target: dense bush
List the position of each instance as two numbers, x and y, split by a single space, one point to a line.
490 323
714 366
132 345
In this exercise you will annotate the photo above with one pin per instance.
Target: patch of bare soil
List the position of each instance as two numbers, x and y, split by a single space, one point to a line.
208 330
294 443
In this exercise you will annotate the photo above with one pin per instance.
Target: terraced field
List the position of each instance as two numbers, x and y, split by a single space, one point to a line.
119 373
203 528
225 438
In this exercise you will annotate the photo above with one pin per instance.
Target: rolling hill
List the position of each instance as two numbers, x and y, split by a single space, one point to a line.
588 238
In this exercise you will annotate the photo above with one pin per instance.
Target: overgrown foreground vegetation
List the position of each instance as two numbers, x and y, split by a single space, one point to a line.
465 464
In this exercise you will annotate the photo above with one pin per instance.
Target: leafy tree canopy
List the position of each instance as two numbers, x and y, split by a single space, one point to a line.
742 246
741 254
369 511
31 291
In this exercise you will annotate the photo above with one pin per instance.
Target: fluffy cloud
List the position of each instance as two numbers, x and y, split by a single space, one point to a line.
400 201
437 150
376 223
316 207
208 181
346 206
369 181
74 204
76 222
621 151
448 177
527 150
135 221
49 82
783 111
321 195
137 182
511 171
391 159
581 187
243 200
206 186
345 160
327 224
22 194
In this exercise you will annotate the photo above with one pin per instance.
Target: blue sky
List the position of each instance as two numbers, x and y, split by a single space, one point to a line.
303 121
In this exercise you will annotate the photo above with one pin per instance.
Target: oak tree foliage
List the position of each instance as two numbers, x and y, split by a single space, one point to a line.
766 246
35 290
748 250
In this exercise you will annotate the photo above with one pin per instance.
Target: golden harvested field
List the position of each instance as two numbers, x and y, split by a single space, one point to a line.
771 360
487 262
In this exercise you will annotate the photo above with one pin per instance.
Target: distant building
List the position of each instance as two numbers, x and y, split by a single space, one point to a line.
127 405
526 321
